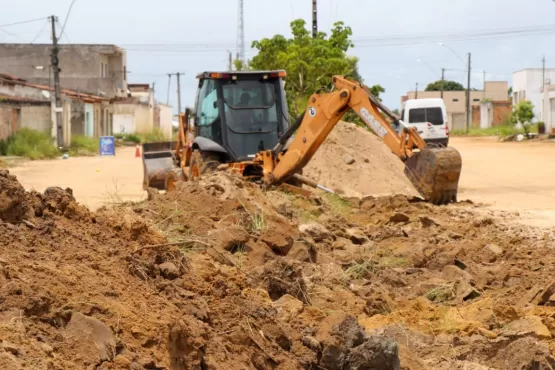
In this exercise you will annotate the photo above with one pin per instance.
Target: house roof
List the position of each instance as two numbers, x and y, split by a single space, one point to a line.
19 99
75 95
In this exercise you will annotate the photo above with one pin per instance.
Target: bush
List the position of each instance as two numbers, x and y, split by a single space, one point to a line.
153 137
31 144
83 145
134 138
541 127
500 130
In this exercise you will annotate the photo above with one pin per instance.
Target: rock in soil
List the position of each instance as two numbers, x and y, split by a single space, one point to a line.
345 346
90 338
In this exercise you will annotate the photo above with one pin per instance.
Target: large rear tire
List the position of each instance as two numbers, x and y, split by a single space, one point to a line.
203 163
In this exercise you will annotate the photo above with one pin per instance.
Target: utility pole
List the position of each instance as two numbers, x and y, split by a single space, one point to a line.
241 33
178 93
543 71
169 85
58 100
468 94
314 18
230 61
484 95
416 92
442 80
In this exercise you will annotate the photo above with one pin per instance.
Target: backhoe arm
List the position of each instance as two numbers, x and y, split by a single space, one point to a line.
324 112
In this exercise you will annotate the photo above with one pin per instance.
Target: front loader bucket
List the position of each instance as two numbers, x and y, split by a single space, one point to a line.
157 162
435 173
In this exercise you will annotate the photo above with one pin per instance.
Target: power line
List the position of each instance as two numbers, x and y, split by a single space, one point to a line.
23 22
67 17
40 32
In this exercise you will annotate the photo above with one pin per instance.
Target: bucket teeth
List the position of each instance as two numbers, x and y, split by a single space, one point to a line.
435 174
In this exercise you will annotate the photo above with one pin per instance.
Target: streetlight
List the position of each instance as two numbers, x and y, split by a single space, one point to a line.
467 65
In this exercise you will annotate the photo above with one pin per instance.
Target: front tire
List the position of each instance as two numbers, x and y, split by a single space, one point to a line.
203 163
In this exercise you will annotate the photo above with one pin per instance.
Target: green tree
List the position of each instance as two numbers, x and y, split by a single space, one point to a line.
523 113
310 62
510 93
447 86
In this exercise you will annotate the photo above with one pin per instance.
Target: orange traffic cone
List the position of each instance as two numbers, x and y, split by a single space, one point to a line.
137 152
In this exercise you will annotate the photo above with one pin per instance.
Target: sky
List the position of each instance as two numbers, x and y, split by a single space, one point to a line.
397 41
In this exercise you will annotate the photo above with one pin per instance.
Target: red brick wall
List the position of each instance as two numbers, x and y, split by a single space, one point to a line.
501 109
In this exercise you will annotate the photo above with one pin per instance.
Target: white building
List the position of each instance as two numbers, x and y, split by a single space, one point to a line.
528 85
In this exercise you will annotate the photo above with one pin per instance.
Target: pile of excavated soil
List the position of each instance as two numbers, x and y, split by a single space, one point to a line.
221 275
356 163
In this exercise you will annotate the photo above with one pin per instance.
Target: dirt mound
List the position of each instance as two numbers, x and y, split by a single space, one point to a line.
354 162
221 275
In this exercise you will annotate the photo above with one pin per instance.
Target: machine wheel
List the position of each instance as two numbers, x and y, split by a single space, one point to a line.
202 163
172 177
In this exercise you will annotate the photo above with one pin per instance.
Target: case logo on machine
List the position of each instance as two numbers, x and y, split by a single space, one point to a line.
311 111
371 121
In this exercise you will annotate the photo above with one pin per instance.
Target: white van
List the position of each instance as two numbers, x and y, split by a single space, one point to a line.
429 117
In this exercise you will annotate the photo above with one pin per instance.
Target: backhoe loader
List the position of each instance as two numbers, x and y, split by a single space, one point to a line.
240 120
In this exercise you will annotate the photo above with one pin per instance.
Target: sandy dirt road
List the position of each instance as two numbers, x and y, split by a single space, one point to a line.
510 176
96 181
505 176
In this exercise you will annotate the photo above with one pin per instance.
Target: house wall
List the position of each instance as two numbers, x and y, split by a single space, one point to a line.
78 125
36 118
166 117
527 85
455 101
24 92
143 116
500 110
81 66
9 121
88 120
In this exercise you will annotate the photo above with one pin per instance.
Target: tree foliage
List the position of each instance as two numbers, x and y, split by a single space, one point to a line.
310 62
447 86
523 113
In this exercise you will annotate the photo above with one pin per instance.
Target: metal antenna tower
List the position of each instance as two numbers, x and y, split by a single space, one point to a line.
241 32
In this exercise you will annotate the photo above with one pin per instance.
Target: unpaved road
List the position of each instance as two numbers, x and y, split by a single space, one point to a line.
510 176
96 181
506 176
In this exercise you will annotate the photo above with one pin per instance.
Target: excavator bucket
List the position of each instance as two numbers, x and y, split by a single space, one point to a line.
157 162
435 173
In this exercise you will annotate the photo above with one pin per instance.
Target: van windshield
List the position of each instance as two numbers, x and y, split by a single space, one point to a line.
433 115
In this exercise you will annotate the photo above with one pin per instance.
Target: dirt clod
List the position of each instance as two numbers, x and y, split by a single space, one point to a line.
13 203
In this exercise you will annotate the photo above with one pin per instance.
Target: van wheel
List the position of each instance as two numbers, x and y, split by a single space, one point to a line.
202 163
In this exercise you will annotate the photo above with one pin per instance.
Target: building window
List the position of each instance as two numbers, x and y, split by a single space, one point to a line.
475 99
455 99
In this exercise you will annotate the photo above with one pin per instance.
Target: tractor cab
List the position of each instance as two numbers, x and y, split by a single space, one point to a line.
238 114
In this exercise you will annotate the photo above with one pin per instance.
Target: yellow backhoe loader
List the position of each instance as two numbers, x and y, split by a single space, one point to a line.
240 120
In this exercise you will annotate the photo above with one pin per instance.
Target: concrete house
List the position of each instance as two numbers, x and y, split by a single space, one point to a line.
93 69
455 102
529 84
23 104
140 113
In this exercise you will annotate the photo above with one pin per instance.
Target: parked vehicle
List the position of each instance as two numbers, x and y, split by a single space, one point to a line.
429 117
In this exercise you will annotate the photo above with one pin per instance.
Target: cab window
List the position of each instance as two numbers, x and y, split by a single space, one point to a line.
207 104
